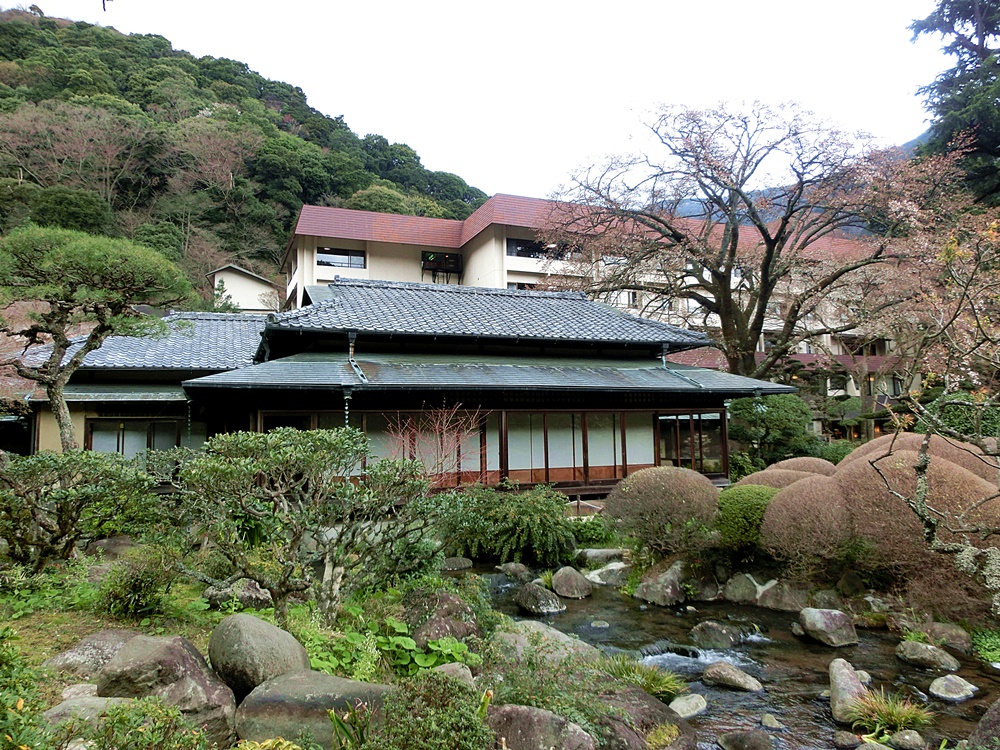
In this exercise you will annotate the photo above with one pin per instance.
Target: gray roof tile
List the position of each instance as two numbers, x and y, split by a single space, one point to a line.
449 310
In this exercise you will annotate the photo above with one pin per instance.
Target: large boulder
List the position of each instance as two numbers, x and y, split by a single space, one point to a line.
516 572
952 688
172 669
785 596
570 583
664 588
713 634
845 689
112 548
527 635
438 614
635 713
529 728
689 705
88 656
245 593
742 588
85 708
596 557
829 626
456 563
754 739
925 655
948 635
300 702
246 651
724 674
537 600
612 574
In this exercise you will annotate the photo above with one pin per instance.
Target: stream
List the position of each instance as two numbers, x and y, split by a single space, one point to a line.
793 671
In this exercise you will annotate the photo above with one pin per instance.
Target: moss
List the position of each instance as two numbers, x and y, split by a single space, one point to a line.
662 736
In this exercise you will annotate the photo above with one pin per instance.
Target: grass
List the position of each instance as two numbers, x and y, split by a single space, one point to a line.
657 682
880 714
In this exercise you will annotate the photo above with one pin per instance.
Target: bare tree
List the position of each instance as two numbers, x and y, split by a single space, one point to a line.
743 222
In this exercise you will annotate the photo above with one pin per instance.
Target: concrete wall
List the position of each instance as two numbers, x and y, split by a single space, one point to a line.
250 294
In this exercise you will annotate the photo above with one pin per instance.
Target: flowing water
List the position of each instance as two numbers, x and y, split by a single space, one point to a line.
793 671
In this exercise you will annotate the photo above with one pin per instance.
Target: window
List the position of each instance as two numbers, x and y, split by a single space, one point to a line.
522 286
131 437
328 256
526 249
441 262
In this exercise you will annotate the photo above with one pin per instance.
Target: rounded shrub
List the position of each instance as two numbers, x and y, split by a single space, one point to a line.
806 524
134 587
432 711
777 478
809 464
968 456
741 512
667 509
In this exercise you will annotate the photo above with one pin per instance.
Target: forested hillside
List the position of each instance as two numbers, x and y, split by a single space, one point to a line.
200 158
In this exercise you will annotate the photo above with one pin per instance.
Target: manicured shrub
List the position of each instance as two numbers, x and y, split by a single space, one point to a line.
667 509
806 524
432 711
969 457
741 512
134 588
810 464
771 477
507 524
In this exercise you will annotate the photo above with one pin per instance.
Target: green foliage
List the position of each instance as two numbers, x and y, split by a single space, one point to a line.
432 711
143 724
657 682
51 501
836 450
741 512
667 509
163 236
662 736
987 644
351 728
23 593
882 714
134 587
593 531
69 208
380 199
21 702
964 412
742 465
507 524
277 743
917 636
772 427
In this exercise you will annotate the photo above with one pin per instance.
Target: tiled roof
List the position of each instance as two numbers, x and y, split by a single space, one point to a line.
386 307
431 372
196 341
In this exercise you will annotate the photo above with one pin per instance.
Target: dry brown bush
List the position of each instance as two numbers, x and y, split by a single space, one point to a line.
777 478
806 524
810 464
969 457
666 508
946 593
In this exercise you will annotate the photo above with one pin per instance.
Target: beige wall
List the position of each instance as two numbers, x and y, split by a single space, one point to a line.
484 259
250 294
47 431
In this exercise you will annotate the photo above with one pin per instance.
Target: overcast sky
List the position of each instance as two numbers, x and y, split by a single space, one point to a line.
516 96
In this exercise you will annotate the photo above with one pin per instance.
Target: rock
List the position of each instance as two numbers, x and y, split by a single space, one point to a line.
925 655
516 572
639 713
844 740
785 596
300 702
951 636
600 624
245 593
825 599
457 671
437 614
704 588
725 674
529 728
797 630
663 588
569 583
850 584
829 626
88 656
246 651
596 558
97 572
689 705
112 548
456 563
952 688
83 690
769 721
987 731
713 634
612 574
845 689
536 600
755 739
863 677
86 708
548 642
907 739
173 670
741 589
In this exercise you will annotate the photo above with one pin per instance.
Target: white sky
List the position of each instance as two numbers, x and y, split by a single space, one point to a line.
515 96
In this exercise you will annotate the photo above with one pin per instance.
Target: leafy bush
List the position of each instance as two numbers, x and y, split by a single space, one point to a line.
21 703
741 512
592 531
432 712
772 427
835 451
51 501
23 593
810 464
883 715
987 645
666 508
741 464
507 524
965 413
143 724
657 682
134 588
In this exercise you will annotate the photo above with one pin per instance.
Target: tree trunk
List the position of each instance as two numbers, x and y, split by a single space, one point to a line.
60 410
328 593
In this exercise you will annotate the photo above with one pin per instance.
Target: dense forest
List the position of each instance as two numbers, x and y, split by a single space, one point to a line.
201 159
